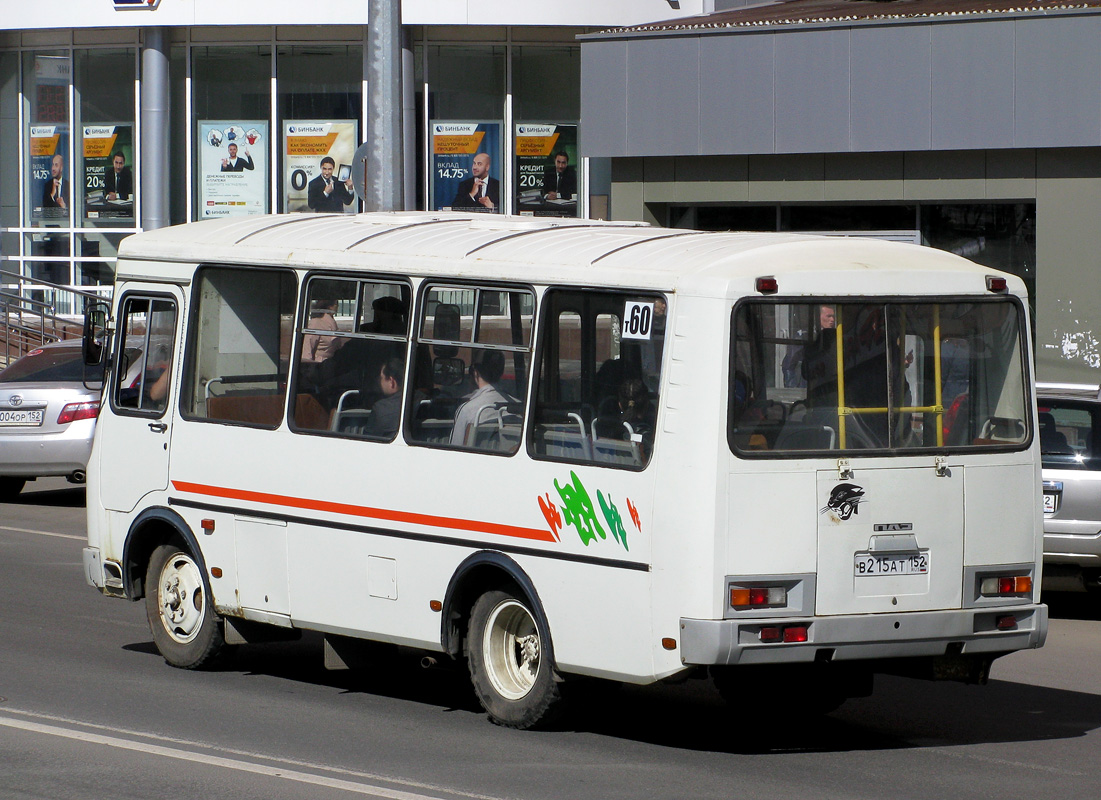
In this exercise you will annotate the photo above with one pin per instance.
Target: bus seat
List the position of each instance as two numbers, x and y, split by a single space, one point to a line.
1052 440
256 409
495 429
310 414
806 436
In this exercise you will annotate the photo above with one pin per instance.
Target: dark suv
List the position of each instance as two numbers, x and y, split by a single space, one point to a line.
1069 423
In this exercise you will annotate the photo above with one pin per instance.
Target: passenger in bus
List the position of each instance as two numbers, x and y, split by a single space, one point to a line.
485 375
819 361
386 413
317 347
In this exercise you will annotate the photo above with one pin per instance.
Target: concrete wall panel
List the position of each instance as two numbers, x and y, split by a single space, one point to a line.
890 92
663 108
603 128
736 95
812 91
1058 82
972 86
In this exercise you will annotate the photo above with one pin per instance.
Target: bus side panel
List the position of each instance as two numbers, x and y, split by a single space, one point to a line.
358 537
689 516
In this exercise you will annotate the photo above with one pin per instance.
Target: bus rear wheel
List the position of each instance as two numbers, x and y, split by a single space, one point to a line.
509 663
184 624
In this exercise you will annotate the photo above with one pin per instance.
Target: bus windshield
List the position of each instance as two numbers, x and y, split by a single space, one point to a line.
859 375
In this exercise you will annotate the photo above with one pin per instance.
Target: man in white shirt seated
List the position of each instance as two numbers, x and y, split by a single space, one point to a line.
485 373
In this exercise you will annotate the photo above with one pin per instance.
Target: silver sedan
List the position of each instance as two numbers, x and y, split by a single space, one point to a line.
1069 425
47 416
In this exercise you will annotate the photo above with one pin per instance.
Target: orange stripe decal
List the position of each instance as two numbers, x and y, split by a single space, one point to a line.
388 515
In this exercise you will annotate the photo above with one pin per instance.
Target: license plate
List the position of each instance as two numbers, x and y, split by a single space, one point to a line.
1051 502
28 417
870 565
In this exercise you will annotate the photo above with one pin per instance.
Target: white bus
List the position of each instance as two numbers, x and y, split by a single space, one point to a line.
567 450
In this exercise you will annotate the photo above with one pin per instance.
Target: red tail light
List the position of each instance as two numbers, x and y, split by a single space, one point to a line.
75 411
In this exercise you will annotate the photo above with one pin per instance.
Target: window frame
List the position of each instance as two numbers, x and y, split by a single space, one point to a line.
429 284
302 315
116 374
537 363
885 300
187 353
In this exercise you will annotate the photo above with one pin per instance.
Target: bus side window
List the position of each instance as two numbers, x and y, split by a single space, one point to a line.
472 359
597 394
350 332
239 352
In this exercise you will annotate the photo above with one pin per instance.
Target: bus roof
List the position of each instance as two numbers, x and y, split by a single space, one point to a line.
567 251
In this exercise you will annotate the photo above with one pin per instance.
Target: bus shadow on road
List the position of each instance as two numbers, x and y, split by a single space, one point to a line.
902 713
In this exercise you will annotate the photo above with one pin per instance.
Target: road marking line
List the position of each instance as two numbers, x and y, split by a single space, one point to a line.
43 533
229 763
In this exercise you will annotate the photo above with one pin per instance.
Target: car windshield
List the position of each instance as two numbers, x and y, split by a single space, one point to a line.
50 365
876 375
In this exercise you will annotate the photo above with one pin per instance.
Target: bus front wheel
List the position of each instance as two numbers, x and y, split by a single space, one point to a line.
509 662
184 624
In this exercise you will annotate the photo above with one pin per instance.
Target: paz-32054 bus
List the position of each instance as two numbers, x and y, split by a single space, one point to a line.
559 450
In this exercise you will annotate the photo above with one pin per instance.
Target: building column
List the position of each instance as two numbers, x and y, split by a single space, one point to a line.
385 107
154 129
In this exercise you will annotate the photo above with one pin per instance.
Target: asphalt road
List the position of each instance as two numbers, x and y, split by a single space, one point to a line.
88 709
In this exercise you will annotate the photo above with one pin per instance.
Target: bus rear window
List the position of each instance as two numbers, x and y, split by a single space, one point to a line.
857 375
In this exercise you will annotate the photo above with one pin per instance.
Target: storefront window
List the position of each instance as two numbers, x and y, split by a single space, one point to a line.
9 163
998 235
546 102
466 82
106 152
47 138
232 106
320 105
546 83
466 130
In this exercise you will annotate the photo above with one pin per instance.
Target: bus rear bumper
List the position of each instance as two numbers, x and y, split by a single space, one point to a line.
864 636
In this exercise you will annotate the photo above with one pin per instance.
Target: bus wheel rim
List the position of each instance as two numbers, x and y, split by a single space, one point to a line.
182 598
512 650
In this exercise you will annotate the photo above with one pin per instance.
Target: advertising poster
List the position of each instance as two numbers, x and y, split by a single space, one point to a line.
233 168
108 183
466 166
317 165
546 170
50 195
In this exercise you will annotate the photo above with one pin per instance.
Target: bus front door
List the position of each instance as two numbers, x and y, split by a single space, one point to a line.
133 439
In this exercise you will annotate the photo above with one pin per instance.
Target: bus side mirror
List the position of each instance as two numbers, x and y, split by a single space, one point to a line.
94 339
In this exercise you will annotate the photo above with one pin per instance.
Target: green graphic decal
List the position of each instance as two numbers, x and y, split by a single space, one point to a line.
577 509
615 521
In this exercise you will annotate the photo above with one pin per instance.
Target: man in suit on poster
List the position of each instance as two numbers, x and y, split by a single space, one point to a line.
326 195
55 194
562 183
480 191
119 182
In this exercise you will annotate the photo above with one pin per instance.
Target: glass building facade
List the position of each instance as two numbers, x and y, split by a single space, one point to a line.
71 123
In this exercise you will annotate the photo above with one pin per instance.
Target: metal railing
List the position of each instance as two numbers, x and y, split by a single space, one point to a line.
27 322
